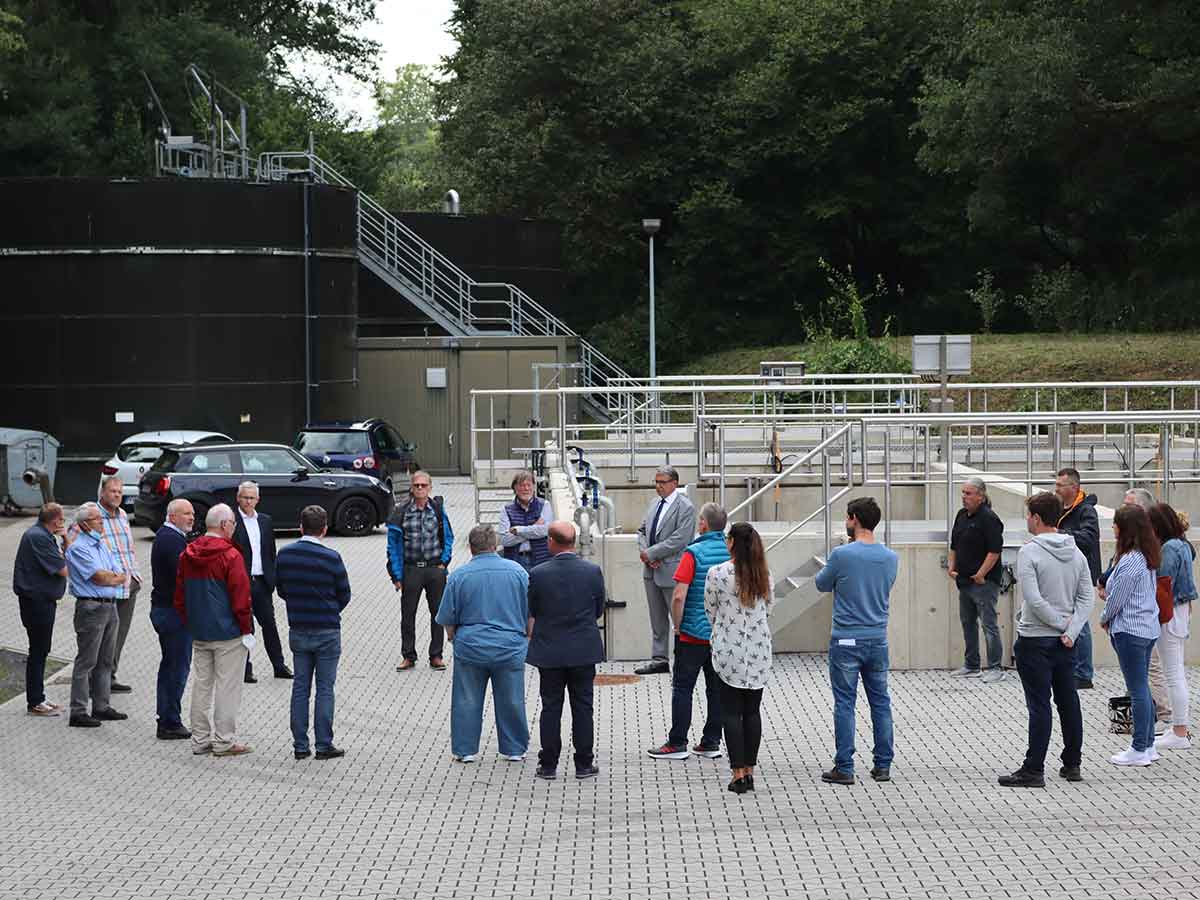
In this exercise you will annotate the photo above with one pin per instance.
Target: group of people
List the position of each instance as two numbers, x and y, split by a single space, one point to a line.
527 597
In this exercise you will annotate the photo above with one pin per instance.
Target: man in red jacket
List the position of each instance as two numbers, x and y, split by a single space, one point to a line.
212 596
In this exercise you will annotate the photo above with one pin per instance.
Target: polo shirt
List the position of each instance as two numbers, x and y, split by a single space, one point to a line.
972 539
38 562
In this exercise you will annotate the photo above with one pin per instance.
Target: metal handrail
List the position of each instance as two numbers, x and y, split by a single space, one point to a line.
836 436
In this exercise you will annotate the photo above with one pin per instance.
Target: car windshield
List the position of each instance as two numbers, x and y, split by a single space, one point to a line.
329 443
136 453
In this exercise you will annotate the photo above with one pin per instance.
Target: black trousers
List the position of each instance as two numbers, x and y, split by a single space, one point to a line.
432 580
1047 667
577 680
37 615
742 724
262 602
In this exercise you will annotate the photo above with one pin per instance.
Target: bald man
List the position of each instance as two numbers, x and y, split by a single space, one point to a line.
566 597
169 543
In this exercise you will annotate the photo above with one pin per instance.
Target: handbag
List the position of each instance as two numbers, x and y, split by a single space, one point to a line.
1165 595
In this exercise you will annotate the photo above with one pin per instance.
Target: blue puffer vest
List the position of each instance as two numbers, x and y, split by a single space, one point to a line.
708 550
518 516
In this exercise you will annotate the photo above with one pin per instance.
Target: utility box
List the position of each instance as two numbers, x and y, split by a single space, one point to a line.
28 460
927 354
938 405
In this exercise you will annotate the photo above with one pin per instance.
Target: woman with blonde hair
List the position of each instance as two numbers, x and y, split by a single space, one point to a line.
1177 565
737 599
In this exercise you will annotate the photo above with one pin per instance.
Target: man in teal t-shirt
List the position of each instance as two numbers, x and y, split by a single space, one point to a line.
861 575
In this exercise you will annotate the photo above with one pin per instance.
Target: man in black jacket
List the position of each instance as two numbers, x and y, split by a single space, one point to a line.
173 637
566 597
1079 520
254 536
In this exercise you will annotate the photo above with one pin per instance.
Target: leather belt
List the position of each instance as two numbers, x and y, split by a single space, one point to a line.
421 564
100 599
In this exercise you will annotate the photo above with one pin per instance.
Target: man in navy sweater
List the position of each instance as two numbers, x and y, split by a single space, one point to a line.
173 637
311 578
861 575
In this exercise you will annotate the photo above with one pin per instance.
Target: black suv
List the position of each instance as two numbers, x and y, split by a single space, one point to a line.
372 447
287 482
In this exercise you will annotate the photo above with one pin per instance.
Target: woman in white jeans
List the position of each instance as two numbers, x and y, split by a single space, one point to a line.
1177 556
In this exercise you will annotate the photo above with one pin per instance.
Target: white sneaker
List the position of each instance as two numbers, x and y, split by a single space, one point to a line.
516 758
469 758
1131 757
1169 740
1154 757
991 676
964 672
1161 727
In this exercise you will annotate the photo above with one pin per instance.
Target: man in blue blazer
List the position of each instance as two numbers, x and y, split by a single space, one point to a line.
566 597
173 637
254 536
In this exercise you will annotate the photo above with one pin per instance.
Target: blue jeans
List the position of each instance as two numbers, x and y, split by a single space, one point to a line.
1083 654
977 608
1133 654
466 707
690 661
868 658
314 653
176 643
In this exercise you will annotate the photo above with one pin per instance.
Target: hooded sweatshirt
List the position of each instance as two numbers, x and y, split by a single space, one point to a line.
212 590
1056 587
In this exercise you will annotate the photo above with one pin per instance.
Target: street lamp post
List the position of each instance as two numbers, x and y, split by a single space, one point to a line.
651 227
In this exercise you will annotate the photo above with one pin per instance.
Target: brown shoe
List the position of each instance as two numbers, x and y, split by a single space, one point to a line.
407 664
437 663
234 750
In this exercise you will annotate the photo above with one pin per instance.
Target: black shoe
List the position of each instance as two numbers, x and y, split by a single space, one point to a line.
1070 773
1083 684
546 772
658 667
83 720
739 785
285 672
881 774
249 678
837 776
331 753
582 772
173 734
1021 778
749 782
303 754
117 688
110 715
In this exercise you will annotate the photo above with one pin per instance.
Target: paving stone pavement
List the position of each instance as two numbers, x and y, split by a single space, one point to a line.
114 813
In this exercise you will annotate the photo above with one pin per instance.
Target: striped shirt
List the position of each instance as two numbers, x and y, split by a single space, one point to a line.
311 578
1131 606
119 539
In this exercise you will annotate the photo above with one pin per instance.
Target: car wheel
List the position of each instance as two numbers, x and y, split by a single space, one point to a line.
198 527
355 516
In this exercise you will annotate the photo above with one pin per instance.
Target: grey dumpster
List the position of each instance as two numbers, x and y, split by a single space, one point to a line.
28 460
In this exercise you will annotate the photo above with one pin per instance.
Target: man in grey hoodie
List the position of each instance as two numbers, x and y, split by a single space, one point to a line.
1056 599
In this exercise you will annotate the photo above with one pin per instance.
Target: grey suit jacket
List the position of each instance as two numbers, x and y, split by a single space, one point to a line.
676 528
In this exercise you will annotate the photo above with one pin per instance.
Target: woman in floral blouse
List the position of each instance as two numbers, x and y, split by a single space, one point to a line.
737 598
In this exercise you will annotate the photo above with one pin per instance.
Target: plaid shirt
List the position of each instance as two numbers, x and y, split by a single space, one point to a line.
422 537
119 539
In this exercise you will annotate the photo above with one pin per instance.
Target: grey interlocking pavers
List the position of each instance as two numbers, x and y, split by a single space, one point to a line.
113 812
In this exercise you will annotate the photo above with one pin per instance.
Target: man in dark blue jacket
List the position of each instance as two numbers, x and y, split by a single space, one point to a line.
176 642
566 597
39 581
1079 520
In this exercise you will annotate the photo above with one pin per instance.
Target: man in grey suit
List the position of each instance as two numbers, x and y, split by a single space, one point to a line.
566 597
669 526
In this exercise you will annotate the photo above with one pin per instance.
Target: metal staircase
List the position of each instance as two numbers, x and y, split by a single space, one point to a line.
412 267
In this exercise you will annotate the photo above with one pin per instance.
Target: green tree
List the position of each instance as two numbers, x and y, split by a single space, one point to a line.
412 174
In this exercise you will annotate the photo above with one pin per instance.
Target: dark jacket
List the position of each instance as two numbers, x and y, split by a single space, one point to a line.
38 564
168 546
566 597
212 590
1082 523
395 537
241 538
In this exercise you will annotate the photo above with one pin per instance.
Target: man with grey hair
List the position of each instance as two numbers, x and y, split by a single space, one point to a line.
212 596
173 638
1139 497
666 529
485 611
975 545
254 536
119 539
693 633
98 580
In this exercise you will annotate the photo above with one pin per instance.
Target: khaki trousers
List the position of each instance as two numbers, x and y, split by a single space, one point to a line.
1158 687
217 671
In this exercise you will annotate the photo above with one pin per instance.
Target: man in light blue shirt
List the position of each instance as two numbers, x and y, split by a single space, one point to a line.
861 575
485 610
97 580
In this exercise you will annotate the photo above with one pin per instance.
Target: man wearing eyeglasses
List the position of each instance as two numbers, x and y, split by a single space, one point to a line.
668 528
419 543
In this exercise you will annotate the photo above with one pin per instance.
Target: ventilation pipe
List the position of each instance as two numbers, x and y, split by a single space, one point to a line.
39 476
450 204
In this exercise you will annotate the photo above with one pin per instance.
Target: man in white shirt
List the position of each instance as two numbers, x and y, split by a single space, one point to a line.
254 536
669 526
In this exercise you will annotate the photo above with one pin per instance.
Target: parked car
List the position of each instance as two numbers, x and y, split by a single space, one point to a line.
372 447
287 482
138 452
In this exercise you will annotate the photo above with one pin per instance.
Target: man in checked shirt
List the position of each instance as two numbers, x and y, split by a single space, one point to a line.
119 539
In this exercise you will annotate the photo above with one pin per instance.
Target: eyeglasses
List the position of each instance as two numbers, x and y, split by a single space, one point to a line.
663 481
420 484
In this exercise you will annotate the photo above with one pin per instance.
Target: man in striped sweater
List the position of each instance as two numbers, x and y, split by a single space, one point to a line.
311 578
